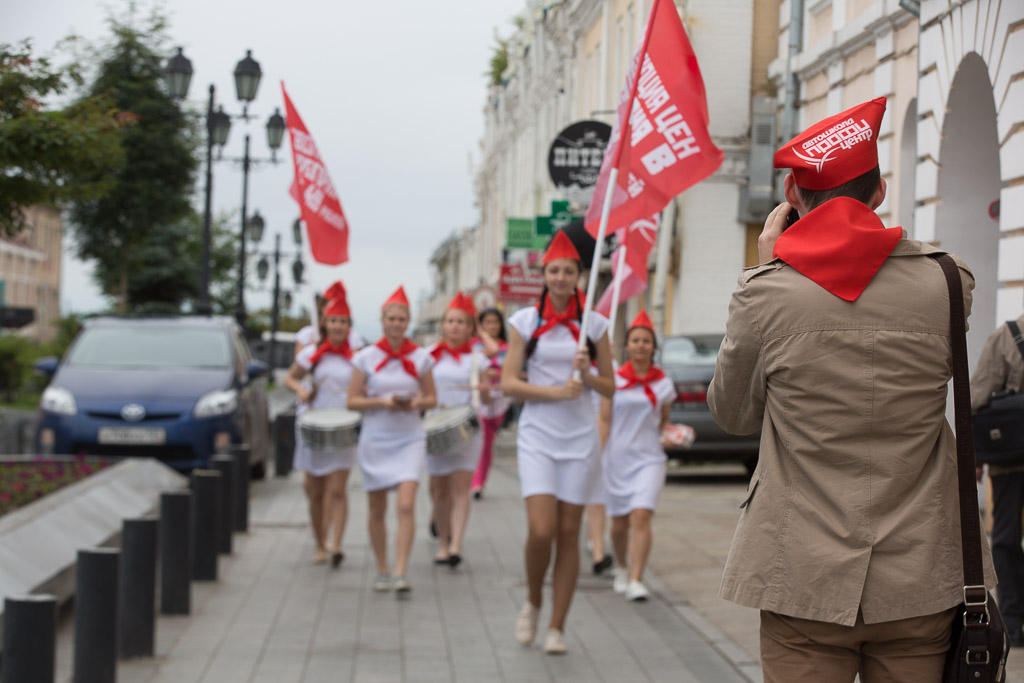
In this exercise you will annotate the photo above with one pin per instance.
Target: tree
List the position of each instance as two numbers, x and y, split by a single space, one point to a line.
148 203
48 156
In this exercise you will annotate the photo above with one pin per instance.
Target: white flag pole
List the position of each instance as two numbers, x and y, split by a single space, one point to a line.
595 265
616 290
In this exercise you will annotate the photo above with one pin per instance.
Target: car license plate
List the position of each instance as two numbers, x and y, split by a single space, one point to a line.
132 436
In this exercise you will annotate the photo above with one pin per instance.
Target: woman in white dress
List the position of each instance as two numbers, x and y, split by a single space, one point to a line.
557 444
391 384
329 364
634 457
456 367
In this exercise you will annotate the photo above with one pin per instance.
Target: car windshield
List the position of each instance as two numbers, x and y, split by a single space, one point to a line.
151 347
696 350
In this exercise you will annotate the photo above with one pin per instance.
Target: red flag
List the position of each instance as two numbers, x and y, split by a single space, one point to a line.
631 285
312 189
663 120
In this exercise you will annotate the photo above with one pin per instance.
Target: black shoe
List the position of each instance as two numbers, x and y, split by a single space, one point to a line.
454 560
336 557
602 565
433 529
478 494
443 560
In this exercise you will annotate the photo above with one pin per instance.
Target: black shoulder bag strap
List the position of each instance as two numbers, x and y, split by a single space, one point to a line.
970 530
1017 338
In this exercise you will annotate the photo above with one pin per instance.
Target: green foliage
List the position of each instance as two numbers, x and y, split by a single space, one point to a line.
15 365
145 212
19 384
49 156
499 59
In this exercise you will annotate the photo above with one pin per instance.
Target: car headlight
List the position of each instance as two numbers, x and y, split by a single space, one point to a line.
214 403
58 400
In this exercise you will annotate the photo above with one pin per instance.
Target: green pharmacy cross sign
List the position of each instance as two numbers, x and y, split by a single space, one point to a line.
534 233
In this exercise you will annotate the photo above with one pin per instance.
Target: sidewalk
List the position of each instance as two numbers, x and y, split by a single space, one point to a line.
275 617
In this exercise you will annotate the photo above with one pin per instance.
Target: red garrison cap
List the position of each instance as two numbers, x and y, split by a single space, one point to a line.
836 150
641 320
463 303
398 297
561 247
337 303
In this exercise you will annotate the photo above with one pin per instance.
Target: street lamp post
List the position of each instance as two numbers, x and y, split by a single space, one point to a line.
262 269
218 124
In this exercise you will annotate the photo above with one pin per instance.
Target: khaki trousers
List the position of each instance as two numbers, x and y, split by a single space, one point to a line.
903 651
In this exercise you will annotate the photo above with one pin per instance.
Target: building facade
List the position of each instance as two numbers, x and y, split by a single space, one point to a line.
951 146
30 271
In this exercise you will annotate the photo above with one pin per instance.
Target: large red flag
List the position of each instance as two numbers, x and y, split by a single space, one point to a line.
663 120
638 238
312 189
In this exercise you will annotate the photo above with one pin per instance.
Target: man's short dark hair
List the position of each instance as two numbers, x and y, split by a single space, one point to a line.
861 188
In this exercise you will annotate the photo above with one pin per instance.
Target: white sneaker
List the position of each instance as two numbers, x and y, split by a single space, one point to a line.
402 585
637 592
382 584
620 580
526 624
554 642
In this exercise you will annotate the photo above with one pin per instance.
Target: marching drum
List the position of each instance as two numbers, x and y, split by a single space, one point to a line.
327 429
449 429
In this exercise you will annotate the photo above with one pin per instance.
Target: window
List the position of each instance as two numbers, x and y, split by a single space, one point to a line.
151 347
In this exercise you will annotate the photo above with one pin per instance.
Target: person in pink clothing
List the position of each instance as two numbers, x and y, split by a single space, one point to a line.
494 345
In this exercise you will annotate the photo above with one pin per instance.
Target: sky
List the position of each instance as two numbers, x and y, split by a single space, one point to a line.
392 91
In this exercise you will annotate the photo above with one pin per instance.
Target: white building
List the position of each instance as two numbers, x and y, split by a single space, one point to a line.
952 140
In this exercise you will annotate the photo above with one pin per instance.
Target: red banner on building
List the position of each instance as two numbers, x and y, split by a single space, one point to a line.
519 285
660 142
313 190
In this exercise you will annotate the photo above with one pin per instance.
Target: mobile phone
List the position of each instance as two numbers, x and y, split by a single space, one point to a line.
792 217
403 398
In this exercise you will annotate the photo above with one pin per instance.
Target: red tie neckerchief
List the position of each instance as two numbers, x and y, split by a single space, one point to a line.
627 373
455 353
399 355
342 350
840 245
551 319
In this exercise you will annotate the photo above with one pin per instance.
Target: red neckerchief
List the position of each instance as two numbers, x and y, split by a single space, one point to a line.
399 355
455 353
840 245
627 373
567 318
342 350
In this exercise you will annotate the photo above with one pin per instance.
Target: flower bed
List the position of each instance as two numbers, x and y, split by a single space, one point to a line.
24 481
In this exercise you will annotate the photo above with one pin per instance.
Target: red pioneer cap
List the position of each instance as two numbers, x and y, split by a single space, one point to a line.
835 150
561 247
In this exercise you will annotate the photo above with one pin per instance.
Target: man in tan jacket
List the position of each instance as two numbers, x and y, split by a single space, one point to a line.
1001 368
837 347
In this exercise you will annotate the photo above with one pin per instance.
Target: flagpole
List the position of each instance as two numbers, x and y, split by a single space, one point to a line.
616 290
613 177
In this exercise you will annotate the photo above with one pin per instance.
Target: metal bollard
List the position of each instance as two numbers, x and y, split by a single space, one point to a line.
225 464
95 659
30 639
136 606
205 524
240 452
175 552
284 443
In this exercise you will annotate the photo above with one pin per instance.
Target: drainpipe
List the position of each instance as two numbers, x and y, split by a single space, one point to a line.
796 39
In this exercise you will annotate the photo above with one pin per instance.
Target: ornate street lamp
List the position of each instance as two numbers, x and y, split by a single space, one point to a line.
297 270
275 131
297 231
263 268
179 75
255 226
220 127
247 80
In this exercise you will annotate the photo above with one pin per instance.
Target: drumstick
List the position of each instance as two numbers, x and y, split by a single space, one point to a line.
474 383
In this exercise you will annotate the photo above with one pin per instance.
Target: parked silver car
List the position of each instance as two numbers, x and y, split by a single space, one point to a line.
689 360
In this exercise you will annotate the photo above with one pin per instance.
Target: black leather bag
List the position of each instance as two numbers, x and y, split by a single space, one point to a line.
999 426
979 643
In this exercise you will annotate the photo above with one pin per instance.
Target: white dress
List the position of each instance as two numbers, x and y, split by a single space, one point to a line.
634 461
449 373
392 444
331 376
557 442
308 336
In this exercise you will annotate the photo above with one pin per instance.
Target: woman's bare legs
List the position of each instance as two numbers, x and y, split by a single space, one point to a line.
377 502
441 494
406 508
336 507
315 487
461 482
639 542
542 523
567 562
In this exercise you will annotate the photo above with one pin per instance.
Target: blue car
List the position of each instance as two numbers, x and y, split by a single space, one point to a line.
174 389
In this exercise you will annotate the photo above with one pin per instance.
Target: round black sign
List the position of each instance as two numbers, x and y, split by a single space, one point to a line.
576 154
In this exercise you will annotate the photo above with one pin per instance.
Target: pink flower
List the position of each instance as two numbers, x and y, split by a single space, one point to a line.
19 487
